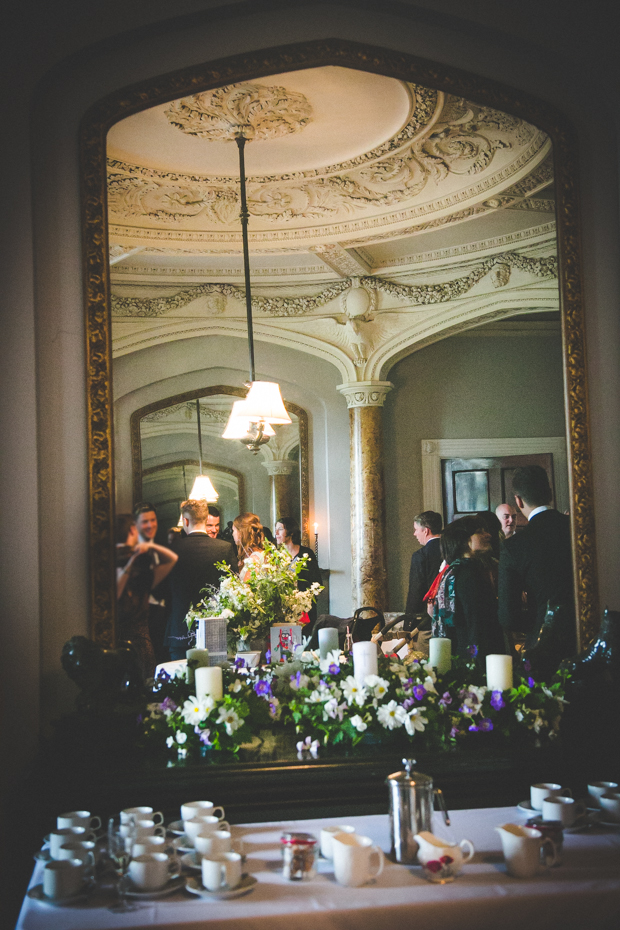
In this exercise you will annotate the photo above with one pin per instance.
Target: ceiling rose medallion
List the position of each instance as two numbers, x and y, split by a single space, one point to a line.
263 112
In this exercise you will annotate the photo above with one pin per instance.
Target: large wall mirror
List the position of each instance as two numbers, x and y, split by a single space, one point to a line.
409 224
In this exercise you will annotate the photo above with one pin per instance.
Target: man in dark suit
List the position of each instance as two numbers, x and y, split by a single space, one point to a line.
538 560
194 570
424 564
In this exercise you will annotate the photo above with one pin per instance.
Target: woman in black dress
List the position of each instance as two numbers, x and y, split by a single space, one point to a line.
466 604
288 534
137 573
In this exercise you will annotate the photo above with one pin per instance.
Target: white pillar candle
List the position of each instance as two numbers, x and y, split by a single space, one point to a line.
499 673
365 661
196 658
328 641
440 654
209 682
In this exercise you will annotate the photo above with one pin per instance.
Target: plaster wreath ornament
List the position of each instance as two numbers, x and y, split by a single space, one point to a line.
268 595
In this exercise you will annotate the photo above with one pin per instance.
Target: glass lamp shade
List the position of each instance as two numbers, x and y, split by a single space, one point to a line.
238 425
203 490
264 402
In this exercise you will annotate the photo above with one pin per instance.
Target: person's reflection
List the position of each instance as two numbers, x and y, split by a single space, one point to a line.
136 575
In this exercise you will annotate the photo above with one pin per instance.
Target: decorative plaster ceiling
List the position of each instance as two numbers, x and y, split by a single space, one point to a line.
382 215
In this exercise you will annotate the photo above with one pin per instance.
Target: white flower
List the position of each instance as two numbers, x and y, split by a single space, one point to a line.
415 721
302 683
309 745
519 715
235 686
182 753
230 719
430 671
196 711
332 658
181 737
358 723
429 684
170 742
391 715
227 614
378 686
333 709
354 692
472 701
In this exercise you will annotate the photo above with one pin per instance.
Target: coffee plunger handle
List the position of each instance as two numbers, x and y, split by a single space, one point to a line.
442 805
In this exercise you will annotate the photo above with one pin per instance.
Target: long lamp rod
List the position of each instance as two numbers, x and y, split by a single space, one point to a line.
244 216
199 433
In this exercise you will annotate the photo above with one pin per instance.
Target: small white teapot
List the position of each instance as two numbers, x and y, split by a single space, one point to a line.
441 860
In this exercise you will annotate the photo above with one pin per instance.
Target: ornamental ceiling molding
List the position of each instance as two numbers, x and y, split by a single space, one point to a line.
461 142
207 413
419 294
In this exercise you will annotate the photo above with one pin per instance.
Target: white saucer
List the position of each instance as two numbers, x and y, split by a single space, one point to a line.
245 886
181 848
526 808
36 894
175 884
192 860
177 827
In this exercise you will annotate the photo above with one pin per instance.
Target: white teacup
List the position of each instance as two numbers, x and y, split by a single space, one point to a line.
78 819
327 835
523 848
193 809
610 805
63 878
547 789
84 850
598 788
67 835
213 843
203 825
152 871
221 873
356 859
141 813
564 809
149 844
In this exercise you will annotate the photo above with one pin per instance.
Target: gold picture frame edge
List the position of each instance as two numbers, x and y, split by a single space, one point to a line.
316 53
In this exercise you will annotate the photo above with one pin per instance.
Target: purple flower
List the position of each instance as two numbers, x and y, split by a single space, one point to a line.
531 682
408 703
473 728
485 725
204 736
296 678
239 663
139 718
418 692
445 699
163 675
268 656
454 732
334 669
527 665
497 701
168 704
473 651
262 687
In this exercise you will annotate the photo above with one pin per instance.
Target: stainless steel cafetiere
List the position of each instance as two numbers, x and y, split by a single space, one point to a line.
411 808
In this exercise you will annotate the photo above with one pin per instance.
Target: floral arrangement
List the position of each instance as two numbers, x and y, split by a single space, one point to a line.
323 703
267 595
176 721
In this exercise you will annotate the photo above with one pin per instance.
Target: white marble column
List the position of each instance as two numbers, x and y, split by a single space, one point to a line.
368 550
283 489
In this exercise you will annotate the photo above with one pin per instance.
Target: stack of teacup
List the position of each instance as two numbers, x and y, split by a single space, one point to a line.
357 860
210 835
151 861
555 803
606 796
72 855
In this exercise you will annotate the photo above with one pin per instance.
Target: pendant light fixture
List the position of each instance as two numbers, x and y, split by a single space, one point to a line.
202 489
252 419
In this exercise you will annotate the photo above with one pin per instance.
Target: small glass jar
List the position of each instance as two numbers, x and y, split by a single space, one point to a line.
299 854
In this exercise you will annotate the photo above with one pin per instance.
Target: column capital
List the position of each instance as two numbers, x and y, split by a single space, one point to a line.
280 467
365 393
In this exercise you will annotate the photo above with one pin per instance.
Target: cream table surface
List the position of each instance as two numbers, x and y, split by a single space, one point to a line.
584 892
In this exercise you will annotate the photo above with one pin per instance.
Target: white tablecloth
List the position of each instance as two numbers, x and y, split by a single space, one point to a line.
583 892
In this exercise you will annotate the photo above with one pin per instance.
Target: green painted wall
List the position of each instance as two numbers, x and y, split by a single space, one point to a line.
486 387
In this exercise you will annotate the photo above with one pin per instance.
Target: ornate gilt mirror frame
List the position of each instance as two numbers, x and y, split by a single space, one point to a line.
389 63
136 447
